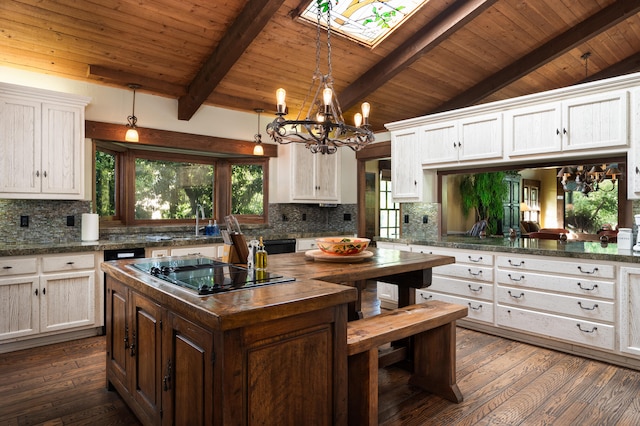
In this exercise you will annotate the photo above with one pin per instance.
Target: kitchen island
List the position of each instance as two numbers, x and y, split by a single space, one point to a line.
275 353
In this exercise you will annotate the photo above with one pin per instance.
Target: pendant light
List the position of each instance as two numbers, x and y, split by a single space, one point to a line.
132 129
258 149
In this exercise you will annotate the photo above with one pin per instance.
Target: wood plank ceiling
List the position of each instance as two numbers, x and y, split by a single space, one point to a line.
236 53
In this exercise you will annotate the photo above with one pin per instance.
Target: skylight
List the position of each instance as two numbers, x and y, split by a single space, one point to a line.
365 21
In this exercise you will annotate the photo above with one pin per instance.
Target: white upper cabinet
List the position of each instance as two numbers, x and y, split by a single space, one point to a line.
20 142
406 172
466 139
305 177
42 144
585 123
598 121
533 130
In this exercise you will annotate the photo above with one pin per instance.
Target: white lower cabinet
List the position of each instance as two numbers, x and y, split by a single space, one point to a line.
592 334
47 295
572 301
467 282
583 306
629 310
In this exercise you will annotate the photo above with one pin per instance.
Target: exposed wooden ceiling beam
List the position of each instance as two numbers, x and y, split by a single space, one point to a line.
577 35
242 32
432 34
122 78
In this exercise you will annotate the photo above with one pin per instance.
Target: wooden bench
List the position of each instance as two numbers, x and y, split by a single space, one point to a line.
432 328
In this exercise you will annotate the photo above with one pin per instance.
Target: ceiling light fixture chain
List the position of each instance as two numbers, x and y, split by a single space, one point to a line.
323 130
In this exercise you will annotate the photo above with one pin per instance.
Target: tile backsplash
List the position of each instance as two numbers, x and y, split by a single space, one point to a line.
48 221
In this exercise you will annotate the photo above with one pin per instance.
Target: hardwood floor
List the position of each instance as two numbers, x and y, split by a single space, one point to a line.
503 383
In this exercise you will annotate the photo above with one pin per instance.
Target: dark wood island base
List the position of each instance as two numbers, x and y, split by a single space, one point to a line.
271 355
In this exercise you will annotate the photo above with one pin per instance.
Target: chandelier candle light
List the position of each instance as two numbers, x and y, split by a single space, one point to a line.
323 129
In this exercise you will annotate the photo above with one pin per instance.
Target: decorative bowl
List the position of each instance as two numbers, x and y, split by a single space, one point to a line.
342 246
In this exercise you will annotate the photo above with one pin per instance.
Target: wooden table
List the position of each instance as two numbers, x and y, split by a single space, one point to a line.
405 269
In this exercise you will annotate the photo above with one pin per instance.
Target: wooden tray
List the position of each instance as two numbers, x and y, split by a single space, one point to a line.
320 256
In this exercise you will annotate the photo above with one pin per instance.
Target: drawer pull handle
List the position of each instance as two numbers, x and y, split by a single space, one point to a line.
476 273
588 309
425 297
36 291
7 267
475 260
587 289
516 279
70 263
514 296
475 289
516 265
586 331
476 308
593 271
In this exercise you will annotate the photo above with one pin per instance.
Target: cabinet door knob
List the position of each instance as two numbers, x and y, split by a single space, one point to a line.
7 267
37 173
44 173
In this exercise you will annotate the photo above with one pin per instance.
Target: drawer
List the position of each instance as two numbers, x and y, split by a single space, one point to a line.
477 310
462 288
305 244
68 262
590 309
555 283
470 257
208 251
467 272
582 269
591 334
18 266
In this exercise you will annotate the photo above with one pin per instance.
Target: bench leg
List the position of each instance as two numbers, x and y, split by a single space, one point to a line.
363 388
435 362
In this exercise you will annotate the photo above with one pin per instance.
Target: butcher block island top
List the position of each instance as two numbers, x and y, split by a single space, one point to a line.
272 354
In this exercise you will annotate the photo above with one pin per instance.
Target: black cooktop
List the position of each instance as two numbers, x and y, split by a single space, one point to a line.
208 276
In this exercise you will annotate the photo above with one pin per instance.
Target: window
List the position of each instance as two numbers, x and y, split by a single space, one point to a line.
593 212
389 212
142 187
172 190
367 22
106 183
247 189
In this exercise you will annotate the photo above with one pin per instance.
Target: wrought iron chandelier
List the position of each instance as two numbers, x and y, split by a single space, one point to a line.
587 179
323 129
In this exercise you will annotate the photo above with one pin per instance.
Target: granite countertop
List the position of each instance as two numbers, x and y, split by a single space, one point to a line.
130 242
574 249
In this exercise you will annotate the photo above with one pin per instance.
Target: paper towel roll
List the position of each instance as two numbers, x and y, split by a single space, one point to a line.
90 227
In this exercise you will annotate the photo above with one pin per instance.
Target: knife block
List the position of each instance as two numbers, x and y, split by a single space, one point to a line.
236 252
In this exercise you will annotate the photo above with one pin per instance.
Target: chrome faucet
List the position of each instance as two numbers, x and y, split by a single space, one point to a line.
198 213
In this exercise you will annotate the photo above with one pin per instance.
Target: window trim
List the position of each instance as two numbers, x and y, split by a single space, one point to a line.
125 184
